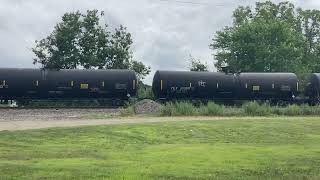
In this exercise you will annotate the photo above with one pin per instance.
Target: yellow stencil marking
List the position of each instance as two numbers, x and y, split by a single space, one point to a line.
84 86
256 88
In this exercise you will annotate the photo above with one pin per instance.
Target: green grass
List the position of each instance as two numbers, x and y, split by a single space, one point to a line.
241 148
248 109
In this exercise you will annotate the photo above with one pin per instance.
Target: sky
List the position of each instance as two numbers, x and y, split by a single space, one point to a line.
165 32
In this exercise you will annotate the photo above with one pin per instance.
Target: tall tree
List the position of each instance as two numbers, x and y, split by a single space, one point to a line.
269 38
310 27
82 40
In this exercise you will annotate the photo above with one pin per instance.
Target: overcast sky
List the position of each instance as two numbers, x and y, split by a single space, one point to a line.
164 32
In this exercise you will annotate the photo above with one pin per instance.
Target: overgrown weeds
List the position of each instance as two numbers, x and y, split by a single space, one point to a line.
248 109
255 109
129 111
188 109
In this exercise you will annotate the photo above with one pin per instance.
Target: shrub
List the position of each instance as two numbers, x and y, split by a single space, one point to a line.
211 109
145 92
132 101
254 109
296 110
185 109
233 111
179 109
291 110
309 110
249 109
168 110
129 111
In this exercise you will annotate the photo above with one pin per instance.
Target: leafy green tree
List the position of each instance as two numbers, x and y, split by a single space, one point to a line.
270 38
140 67
145 91
59 49
310 27
196 65
82 40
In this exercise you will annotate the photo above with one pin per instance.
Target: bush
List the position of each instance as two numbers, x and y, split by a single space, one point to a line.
179 109
129 111
168 110
255 109
211 109
144 92
248 109
291 110
132 101
310 110
185 109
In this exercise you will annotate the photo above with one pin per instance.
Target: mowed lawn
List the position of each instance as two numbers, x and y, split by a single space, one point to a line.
256 148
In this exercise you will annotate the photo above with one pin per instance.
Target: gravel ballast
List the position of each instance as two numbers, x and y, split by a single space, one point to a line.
147 106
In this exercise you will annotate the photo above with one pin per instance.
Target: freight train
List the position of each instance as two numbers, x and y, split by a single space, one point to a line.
120 85
276 88
28 84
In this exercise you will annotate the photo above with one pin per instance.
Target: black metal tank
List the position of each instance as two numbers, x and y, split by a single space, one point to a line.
35 83
278 86
313 88
190 85
212 85
315 80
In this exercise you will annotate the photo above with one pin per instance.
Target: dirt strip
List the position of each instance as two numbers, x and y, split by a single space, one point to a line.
39 124
48 118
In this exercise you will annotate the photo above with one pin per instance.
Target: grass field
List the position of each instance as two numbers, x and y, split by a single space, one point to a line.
256 148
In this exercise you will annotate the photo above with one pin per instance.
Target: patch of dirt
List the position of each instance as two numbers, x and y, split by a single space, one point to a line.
48 114
21 123
20 119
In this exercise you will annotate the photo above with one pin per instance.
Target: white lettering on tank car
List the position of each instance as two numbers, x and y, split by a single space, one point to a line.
181 90
4 86
202 83
285 88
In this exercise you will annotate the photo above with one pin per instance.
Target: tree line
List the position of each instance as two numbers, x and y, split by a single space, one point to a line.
270 37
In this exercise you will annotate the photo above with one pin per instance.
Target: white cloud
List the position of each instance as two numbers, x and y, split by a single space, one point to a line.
164 33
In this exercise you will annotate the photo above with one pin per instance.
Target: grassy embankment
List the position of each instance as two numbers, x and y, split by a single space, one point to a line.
211 109
247 109
253 148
